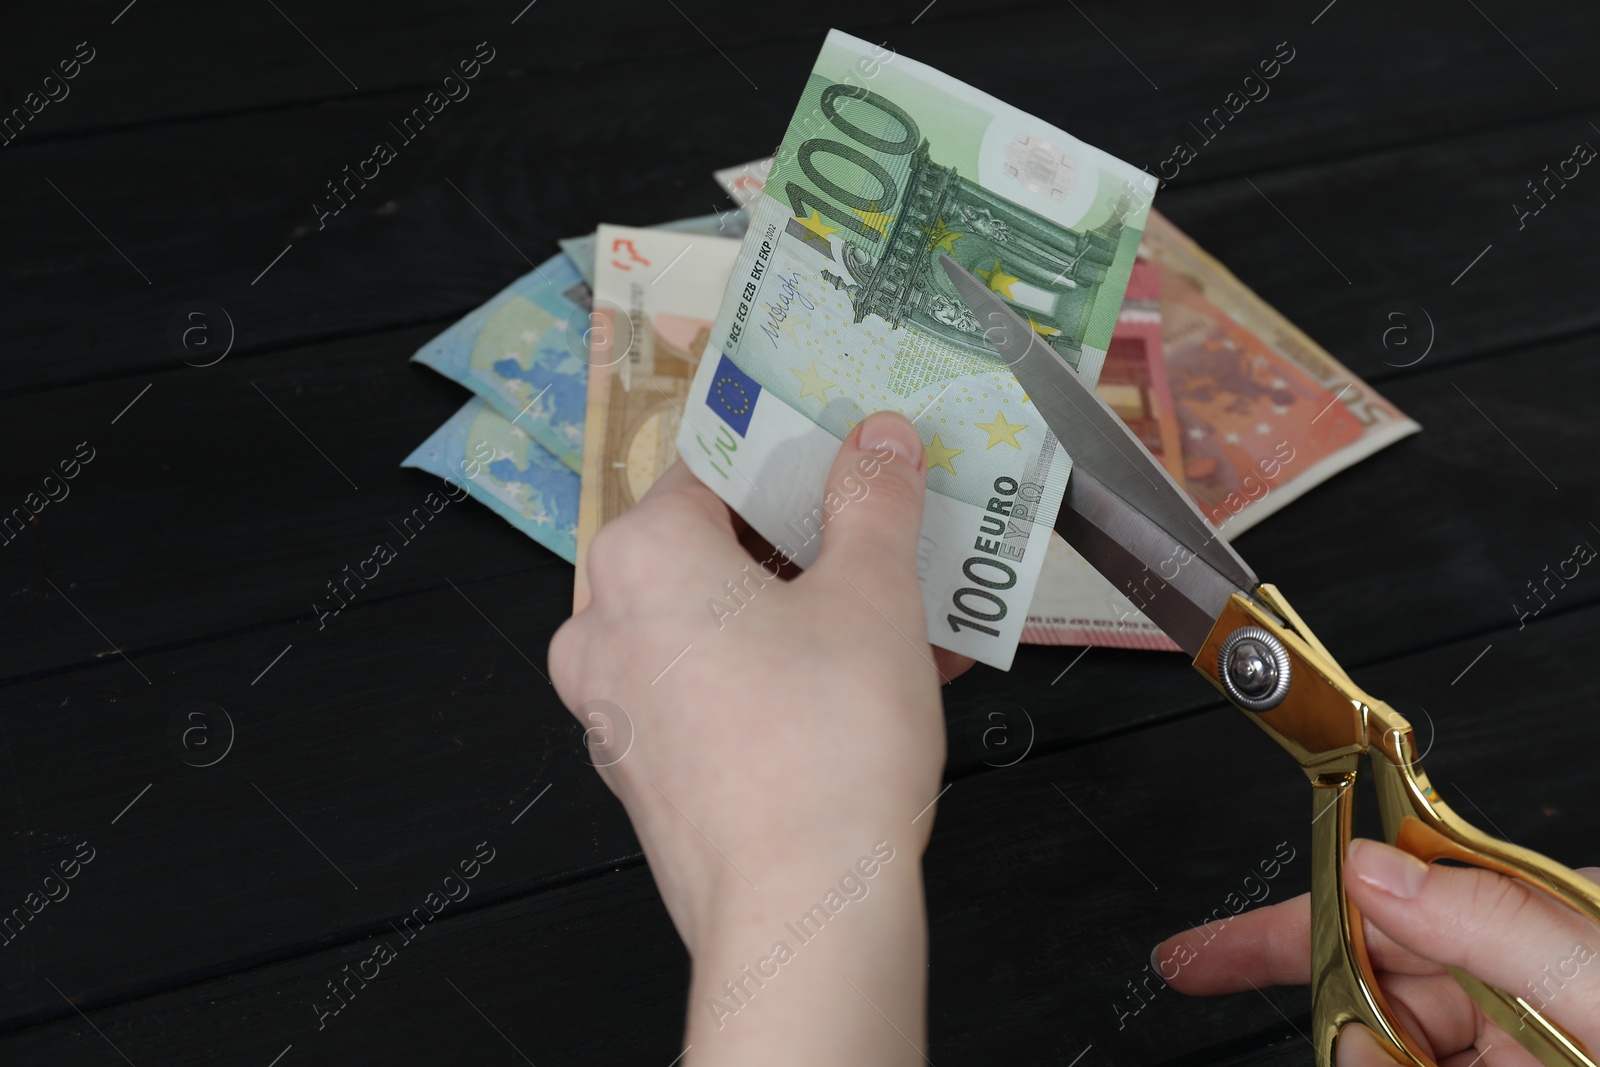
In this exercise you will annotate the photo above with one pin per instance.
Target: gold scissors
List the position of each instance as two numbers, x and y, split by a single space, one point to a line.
1127 517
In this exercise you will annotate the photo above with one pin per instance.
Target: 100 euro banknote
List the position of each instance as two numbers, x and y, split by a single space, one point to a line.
837 307
1237 359
1235 488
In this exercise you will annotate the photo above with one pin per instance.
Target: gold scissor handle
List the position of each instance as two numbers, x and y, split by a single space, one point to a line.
1328 724
1344 988
1417 821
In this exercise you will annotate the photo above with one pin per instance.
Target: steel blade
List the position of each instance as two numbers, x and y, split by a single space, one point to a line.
1102 447
1157 572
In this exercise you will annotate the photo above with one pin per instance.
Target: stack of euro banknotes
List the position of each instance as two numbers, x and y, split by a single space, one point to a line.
750 341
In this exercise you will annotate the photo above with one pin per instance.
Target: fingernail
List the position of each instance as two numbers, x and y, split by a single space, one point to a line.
890 431
1388 869
1155 961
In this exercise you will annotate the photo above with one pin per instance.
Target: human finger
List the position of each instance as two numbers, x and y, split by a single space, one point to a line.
872 505
1267 946
1496 928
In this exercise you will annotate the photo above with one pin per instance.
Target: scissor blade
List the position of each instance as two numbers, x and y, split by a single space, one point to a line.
1122 512
1159 575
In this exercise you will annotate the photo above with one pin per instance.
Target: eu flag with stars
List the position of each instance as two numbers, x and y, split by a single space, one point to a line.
733 395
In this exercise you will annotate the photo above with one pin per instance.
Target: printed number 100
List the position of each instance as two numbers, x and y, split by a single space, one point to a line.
964 598
804 200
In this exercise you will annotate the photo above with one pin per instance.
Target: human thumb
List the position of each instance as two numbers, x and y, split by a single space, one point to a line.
872 506
1500 930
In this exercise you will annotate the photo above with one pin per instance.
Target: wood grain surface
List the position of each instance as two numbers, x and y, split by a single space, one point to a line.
372 754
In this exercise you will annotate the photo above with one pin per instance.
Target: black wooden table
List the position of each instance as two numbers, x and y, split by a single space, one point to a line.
157 607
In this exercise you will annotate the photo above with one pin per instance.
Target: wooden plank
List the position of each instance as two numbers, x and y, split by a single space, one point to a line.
228 60
258 58
1288 1047
1041 904
365 761
433 1003
228 497
494 180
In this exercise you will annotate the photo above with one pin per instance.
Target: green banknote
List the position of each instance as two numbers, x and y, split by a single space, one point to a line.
837 307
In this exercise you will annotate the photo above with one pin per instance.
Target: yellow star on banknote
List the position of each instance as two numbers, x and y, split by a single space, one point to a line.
1000 430
812 383
941 237
817 226
999 281
1041 329
876 220
940 456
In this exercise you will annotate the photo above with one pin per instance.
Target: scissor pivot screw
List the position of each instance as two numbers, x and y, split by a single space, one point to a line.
1254 668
